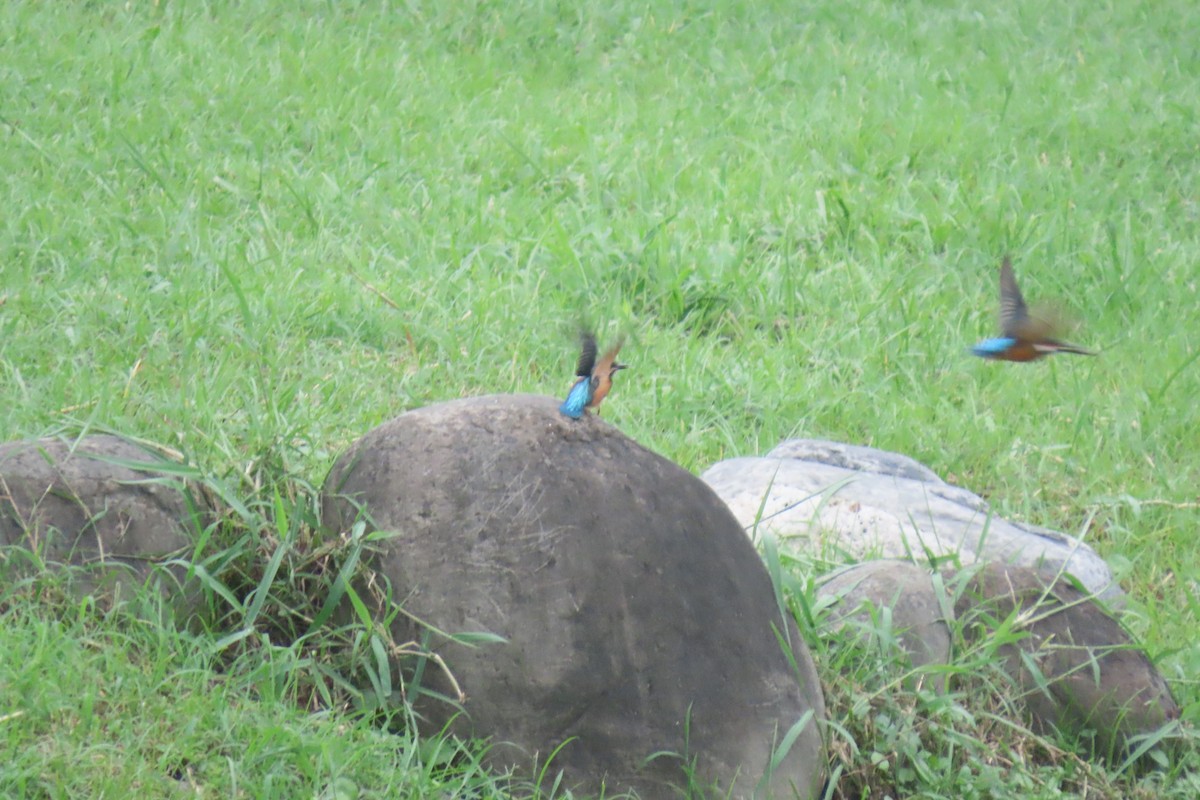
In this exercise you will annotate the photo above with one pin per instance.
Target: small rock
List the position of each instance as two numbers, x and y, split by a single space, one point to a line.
70 503
1093 682
896 603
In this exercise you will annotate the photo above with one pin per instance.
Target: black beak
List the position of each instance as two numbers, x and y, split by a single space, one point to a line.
617 366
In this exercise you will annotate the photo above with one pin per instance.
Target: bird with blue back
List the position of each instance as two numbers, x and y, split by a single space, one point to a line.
594 377
1023 336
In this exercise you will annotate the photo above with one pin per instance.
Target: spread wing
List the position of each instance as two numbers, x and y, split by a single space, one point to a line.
1013 314
604 366
587 354
1033 328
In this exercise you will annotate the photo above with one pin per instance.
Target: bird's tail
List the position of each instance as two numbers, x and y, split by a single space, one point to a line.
1064 347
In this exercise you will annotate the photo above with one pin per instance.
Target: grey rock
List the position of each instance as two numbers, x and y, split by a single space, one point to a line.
67 501
893 602
636 615
868 504
1073 666
855 457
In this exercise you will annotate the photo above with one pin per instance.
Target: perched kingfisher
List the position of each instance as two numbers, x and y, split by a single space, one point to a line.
595 377
1022 337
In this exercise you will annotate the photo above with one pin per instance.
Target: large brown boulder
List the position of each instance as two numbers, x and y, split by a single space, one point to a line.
636 615
81 503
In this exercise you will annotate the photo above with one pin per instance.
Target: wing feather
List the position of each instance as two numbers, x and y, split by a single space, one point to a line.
604 366
1013 314
587 354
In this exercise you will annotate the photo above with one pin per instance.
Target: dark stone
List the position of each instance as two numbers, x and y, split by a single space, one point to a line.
66 501
1089 680
901 597
637 616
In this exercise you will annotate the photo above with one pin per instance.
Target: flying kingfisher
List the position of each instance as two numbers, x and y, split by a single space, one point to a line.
1022 337
595 377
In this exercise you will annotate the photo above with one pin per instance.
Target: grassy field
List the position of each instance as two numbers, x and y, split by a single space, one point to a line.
252 231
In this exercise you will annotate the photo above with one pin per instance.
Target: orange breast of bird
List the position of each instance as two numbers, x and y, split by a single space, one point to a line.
603 384
1022 351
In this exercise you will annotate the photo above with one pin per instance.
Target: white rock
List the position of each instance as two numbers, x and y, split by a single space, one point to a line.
857 502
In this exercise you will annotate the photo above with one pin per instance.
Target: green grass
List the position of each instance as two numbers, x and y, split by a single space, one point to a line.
252 231
102 705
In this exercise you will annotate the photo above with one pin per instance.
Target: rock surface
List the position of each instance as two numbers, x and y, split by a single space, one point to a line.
69 502
637 615
869 503
1090 681
897 604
